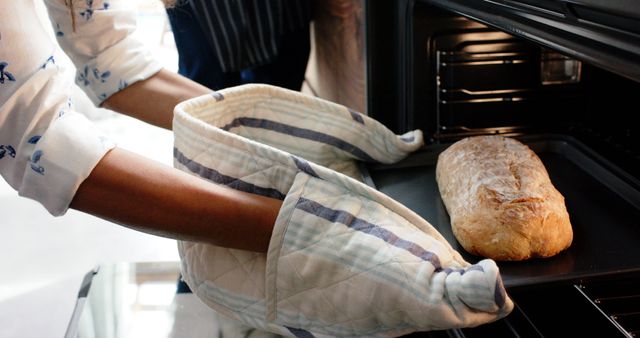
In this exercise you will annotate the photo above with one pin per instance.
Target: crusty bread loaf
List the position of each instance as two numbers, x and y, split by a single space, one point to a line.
501 201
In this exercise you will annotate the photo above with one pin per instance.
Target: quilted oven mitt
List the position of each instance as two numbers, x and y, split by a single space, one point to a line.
344 259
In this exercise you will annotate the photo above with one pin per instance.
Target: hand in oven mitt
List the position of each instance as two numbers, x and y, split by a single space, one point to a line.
344 259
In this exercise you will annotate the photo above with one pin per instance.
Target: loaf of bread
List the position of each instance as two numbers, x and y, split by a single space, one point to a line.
501 201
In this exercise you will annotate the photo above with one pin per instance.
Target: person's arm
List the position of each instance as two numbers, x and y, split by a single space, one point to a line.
119 73
152 100
141 194
138 193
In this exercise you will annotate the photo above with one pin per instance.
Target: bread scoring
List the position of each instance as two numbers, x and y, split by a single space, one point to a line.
501 201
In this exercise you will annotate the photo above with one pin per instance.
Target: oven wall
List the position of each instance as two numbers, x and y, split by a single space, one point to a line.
452 77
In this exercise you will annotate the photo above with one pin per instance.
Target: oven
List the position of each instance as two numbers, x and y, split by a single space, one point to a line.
563 76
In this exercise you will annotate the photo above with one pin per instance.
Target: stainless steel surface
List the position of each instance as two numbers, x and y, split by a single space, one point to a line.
139 299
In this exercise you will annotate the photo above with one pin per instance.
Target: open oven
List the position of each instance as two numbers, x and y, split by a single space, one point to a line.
563 76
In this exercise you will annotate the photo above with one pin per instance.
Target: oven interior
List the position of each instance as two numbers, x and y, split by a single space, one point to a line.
431 68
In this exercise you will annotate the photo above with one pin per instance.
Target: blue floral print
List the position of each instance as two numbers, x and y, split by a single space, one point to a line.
4 74
59 32
12 152
34 139
50 60
88 13
83 76
35 158
37 168
7 150
122 84
101 76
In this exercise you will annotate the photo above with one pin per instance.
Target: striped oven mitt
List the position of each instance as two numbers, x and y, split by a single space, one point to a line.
344 259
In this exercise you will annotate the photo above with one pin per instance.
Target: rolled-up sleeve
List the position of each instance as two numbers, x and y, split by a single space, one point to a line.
102 46
47 148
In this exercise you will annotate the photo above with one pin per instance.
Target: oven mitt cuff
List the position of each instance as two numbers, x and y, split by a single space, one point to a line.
254 138
320 131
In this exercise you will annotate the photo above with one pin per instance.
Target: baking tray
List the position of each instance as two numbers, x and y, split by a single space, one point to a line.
603 203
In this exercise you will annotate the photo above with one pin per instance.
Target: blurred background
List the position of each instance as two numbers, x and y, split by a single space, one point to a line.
43 255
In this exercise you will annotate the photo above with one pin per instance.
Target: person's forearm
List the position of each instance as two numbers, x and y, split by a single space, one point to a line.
152 100
154 198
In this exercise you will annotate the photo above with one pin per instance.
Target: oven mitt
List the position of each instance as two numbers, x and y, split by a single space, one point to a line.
344 259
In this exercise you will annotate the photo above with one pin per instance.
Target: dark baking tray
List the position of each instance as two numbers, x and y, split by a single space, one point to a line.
603 203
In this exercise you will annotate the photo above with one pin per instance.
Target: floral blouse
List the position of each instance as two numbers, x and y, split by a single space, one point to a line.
46 147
